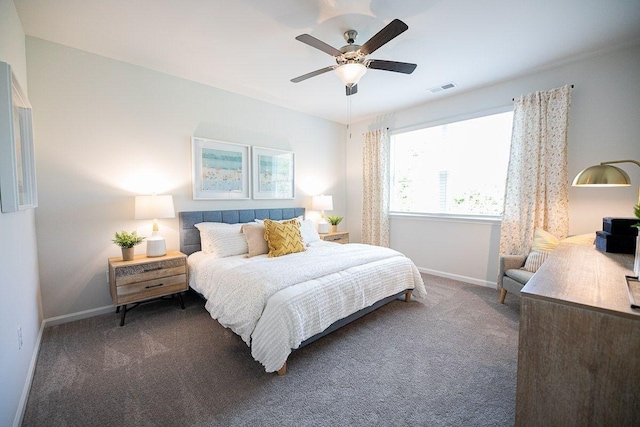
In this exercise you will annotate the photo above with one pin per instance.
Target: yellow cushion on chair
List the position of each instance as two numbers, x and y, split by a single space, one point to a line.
283 238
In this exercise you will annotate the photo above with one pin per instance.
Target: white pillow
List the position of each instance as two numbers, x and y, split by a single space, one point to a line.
308 231
222 240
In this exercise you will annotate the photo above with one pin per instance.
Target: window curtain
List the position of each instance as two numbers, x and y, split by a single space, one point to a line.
375 188
537 186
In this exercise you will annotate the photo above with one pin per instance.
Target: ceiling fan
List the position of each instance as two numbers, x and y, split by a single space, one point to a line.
351 60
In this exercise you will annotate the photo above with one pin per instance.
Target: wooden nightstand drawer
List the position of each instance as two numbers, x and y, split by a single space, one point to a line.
151 288
149 271
336 237
144 279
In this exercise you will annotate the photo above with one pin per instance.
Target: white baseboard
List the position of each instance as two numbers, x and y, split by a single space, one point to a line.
22 405
471 280
58 320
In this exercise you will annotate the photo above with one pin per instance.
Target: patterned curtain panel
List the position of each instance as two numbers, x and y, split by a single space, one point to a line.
537 185
375 188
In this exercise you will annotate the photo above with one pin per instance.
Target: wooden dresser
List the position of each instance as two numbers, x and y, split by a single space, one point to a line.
579 347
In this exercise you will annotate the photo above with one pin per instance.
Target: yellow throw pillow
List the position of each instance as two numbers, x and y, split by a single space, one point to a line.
544 241
283 238
581 239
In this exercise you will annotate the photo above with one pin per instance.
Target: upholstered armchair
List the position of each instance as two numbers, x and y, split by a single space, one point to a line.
511 276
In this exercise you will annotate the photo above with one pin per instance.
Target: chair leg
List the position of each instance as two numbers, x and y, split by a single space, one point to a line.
503 293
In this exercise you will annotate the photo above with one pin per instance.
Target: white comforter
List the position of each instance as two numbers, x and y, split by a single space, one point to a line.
276 303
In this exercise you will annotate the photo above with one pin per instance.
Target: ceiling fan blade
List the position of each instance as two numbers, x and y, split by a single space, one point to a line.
352 90
313 74
388 33
318 44
398 67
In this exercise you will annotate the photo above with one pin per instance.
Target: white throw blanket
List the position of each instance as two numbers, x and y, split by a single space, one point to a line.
237 291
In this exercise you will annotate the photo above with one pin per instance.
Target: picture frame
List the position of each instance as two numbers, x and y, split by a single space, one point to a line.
273 173
220 170
17 155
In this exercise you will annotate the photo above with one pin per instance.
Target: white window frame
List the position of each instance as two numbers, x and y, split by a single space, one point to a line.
447 217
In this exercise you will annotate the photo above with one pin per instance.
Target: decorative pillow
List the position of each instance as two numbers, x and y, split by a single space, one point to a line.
308 231
283 238
581 239
535 260
222 240
543 243
261 221
254 233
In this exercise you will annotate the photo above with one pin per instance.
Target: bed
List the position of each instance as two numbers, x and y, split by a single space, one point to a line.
280 304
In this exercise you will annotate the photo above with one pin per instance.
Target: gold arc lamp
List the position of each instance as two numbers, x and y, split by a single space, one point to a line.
322 203
605 175
155 207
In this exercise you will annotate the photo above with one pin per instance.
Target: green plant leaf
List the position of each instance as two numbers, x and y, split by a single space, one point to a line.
126 240
334 220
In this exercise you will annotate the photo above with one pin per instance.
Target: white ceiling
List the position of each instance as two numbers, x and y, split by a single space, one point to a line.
249 46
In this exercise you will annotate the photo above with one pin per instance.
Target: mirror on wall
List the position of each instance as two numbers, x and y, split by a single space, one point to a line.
17 162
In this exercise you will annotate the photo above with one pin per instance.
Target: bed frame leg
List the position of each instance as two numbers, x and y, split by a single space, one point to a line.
283 370
407 296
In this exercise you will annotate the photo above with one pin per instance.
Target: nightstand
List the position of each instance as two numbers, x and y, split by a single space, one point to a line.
144 279
336 237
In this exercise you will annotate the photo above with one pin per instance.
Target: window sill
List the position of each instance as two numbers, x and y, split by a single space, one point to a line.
469 219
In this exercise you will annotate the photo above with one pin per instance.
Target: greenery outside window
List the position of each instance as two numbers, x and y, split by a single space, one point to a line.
457 168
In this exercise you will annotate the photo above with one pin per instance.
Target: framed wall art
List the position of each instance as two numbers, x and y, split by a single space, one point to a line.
273 173
17 156
220 170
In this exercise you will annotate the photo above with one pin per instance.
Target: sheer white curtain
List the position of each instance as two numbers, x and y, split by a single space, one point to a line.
375 188
537 185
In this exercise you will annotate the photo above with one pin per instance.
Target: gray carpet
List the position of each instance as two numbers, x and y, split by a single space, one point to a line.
449 361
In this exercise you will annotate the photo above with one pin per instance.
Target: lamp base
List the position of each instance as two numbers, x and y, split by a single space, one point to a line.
156 246
323 227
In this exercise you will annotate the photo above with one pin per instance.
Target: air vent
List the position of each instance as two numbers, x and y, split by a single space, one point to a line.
445 86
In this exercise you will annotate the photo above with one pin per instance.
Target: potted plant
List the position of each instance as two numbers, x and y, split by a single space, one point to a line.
127 241
334 221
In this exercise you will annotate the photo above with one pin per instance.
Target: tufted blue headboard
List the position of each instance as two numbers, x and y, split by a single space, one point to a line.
190 235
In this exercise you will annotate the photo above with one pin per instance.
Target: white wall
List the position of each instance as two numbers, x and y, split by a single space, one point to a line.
20 304
604 125
110 130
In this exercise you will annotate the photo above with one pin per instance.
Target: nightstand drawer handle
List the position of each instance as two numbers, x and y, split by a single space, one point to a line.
153 269
153 286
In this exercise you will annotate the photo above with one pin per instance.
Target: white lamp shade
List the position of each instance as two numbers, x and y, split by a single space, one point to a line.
322 203
351 73
153 207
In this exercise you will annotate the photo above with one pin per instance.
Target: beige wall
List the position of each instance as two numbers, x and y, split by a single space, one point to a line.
604 125
20 304
110 130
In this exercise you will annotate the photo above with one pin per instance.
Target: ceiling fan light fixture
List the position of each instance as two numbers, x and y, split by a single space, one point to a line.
350 73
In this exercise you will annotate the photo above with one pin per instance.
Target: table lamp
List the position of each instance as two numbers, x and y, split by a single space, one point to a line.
605 175
154 207
322 203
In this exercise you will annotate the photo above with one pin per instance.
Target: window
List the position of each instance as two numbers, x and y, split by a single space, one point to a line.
457 168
